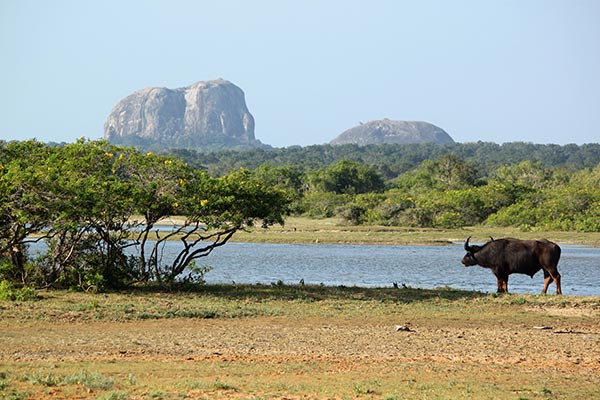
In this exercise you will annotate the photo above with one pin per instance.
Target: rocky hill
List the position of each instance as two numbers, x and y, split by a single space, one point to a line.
205 115
389 131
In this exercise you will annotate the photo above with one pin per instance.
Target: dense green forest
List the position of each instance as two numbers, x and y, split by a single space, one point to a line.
526 185
97 206
393 160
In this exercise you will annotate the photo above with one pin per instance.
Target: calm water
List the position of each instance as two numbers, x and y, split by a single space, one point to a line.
373 266
424 267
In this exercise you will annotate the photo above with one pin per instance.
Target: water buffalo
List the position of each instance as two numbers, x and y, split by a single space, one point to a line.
510 256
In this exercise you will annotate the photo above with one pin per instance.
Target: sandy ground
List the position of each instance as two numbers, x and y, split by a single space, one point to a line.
340 346
326 351
283 339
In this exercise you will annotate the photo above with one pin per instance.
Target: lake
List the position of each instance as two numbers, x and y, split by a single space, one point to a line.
425 267
380 266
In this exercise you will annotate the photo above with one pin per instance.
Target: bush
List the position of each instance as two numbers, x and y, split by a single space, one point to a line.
448 220
196 274
324 204
10 293
353 214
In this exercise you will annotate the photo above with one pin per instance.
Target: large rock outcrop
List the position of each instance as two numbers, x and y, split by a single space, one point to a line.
205 115
388 131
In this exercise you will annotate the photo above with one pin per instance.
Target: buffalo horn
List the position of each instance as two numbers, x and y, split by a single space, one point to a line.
467 247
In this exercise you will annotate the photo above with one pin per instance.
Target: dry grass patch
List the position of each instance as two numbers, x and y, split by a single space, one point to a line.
330 230
294 342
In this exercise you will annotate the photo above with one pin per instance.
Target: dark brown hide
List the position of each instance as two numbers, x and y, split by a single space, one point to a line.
513 256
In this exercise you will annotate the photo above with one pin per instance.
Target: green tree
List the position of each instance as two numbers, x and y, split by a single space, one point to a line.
445 173
158 184
96 203
348 177
363 209
25 203
288 178
216 208
91 231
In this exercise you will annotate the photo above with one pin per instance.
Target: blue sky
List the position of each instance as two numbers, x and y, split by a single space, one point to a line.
496 70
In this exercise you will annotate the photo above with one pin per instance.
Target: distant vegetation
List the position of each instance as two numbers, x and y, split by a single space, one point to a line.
530 186
88 200
392 160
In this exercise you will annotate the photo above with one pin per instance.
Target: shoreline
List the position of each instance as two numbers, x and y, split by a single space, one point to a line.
299 230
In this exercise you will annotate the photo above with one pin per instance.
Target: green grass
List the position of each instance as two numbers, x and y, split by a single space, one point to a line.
246 301
305 230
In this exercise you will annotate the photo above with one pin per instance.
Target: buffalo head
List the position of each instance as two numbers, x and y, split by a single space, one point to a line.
469 259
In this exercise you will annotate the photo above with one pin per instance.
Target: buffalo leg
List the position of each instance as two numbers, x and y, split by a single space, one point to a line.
550 277
502 285
556 277
547 281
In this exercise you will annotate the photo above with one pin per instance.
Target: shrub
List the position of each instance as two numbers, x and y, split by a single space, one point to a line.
10 293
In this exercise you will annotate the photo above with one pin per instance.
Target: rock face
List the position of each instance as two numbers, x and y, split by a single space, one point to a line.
206 115
388 131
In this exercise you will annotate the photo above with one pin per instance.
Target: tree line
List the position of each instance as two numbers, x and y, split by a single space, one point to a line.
393 160
96 208
446 192
530 186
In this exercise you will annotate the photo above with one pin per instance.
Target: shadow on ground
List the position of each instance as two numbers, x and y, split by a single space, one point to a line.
320 293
